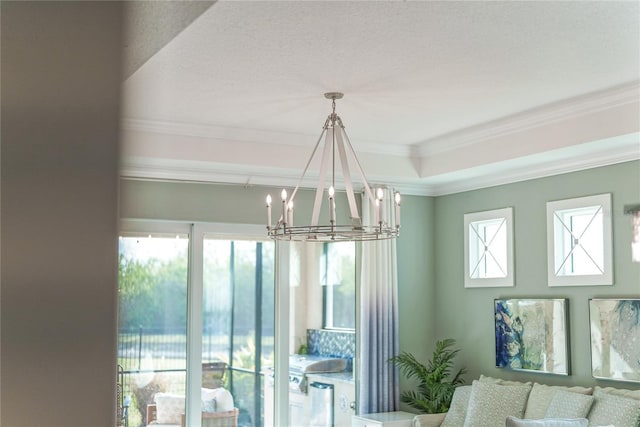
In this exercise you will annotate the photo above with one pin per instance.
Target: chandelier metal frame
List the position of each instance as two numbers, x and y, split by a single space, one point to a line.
336 142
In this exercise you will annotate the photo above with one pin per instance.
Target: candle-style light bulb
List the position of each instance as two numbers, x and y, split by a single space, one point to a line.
283 195
398 210
332 204
269 211
379 196
290 213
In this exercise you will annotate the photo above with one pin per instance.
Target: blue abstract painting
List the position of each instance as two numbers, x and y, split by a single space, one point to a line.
532 335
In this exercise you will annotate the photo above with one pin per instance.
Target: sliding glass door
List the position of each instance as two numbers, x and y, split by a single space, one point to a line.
238 320
196 323
152 321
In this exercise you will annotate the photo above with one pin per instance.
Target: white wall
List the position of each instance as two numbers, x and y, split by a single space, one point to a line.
59 167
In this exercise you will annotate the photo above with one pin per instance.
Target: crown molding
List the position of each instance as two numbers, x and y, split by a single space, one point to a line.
222 135
600 153
552 113
145 168
605 153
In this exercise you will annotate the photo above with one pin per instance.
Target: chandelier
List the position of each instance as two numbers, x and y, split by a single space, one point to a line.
336 146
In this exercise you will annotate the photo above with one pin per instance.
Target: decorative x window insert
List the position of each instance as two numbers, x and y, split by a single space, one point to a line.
489 238
579 241
489 248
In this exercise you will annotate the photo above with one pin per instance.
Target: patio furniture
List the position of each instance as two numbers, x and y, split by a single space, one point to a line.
209 419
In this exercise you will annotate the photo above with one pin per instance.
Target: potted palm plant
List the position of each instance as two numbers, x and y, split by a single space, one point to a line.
436 383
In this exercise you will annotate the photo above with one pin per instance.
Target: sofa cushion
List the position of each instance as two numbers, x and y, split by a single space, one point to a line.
548 422
609 408
492 380
491 404
169 408
458 409
566 404
633 394
541 396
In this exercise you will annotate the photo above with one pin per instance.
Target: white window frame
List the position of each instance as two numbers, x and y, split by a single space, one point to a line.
556 245
471 241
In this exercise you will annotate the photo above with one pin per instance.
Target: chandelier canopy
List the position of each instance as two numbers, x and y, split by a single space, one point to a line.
336 142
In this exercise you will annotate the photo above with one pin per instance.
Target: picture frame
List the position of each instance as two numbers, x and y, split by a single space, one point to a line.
488 249
615 338
533 335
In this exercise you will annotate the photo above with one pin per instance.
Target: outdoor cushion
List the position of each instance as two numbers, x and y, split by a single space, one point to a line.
169 408
216 400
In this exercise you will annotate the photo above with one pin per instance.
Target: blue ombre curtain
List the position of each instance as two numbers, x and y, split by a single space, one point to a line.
379 389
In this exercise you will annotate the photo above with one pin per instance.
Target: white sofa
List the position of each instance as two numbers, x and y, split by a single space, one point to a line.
488 402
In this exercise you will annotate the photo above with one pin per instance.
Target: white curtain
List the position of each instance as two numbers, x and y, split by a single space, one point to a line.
378 334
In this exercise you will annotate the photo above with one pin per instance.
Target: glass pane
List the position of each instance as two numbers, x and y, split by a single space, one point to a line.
152 323
339 280
581 241
238 313
488 249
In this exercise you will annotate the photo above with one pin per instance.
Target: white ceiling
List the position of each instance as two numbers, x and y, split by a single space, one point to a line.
440 97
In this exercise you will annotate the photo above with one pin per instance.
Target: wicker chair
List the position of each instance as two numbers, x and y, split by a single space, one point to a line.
209 419
218 419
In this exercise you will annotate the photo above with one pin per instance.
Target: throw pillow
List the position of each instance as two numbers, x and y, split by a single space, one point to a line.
208 397
569 405
458 408
216 400
633 394
541 396
169 408
549 422
224 400
613 409
491 404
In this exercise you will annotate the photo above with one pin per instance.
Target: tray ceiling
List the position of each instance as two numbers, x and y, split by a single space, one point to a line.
439 96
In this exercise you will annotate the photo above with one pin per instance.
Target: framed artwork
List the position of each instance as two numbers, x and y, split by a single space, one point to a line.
579 251
615 339
488 248
532 335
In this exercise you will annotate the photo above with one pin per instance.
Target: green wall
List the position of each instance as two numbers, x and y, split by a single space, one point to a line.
433 301
238 204
416 275
467 314
200 202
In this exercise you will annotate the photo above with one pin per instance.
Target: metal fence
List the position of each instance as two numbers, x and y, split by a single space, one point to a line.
164 351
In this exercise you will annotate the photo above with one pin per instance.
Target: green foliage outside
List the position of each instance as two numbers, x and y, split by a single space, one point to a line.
436 383
153 296
153 293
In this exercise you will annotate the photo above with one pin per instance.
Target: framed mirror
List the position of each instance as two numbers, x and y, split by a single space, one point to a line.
579 241
615 333
532 335
488 248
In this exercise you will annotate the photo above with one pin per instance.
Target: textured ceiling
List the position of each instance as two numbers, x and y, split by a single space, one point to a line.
413 74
